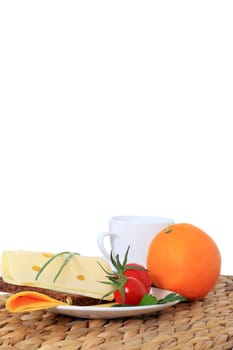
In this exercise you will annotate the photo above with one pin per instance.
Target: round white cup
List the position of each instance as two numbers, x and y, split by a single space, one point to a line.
134 231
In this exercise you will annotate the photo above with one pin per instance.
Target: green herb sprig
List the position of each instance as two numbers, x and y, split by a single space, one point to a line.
117 279
65 262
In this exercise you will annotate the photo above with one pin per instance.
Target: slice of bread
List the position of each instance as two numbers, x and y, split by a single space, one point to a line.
69 298
79 281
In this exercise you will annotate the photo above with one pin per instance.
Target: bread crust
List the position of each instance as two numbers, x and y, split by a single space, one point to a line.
69 298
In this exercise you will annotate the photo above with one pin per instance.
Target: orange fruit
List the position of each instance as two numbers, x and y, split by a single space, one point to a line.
184 259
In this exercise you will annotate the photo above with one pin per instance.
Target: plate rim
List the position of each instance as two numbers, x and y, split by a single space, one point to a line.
96 311
113 308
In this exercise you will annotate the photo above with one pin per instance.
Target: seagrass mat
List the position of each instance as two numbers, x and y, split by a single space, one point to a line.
200 325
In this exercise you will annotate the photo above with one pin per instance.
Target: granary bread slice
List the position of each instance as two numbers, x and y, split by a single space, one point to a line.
79 282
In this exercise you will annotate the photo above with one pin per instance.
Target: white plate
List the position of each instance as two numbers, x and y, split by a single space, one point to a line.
108 312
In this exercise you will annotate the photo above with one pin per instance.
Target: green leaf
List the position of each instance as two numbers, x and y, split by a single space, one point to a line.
171 297
152 300
148 300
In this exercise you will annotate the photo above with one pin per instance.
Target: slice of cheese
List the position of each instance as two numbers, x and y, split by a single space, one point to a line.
82 274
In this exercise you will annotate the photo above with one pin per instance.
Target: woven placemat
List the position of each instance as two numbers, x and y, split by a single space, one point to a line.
200 325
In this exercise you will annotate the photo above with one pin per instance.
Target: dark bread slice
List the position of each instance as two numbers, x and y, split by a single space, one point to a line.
69 298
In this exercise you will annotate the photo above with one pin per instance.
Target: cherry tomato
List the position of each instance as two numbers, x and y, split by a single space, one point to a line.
142 275
134 290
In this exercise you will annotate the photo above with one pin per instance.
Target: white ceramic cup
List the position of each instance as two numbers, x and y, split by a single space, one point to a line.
134 231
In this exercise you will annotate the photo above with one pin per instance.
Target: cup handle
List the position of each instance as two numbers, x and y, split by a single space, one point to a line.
100 242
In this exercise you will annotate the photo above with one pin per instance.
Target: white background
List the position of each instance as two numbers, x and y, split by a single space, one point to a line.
111 108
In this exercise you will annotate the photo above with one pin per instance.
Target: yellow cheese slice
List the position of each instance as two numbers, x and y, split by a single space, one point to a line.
81 275
30 301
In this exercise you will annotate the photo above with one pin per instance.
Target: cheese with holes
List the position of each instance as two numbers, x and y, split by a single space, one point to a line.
81 275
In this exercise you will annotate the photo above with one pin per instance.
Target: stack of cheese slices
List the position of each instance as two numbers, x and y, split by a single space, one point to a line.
79 282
